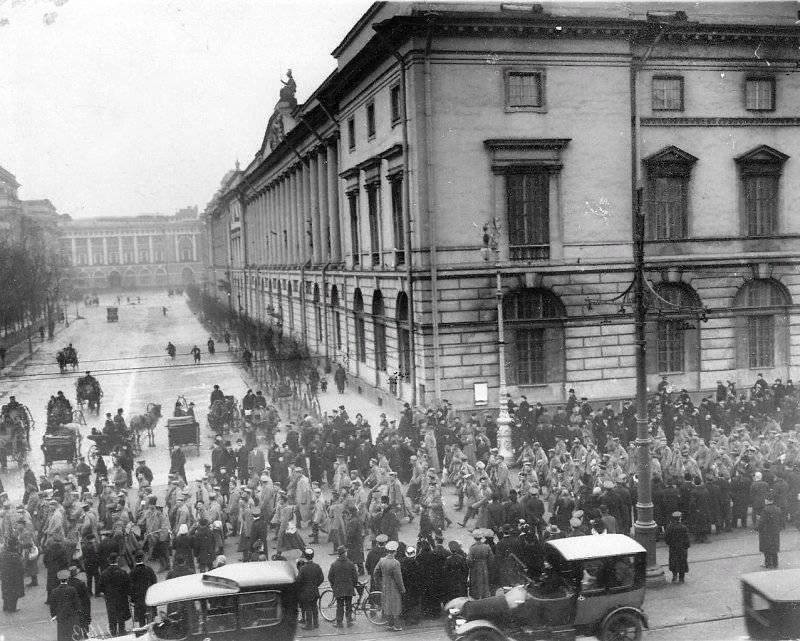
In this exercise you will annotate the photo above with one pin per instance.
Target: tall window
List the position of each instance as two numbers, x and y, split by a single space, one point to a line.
394 103
762 324
337 318
290 306
144 251
185 253
358 319
97 251
371 120
127 249
379 326
525 89
403 336
760 94
398 226
158 249
667 93
676 342
760 170
534 319
373 203
317 314
668 174
528 210
352 202
351 133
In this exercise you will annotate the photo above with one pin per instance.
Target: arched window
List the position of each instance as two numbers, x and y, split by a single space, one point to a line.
358 320
673 337
337 318
762 324
379 325
535 336
403 335
317 314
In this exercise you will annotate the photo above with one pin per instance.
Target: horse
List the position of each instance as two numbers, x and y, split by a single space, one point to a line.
147 421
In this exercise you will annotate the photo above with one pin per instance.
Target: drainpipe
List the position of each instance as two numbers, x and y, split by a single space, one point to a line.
429 213
409 255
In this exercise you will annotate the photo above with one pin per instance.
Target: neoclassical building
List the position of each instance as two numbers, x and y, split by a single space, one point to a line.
134 251
358 227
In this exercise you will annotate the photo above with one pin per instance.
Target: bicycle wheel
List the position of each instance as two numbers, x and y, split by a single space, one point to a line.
327 606
373 609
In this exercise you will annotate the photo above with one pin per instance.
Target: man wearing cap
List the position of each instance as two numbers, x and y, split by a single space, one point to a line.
65 607
143 472
84 597
677 539
479 560
769 531
141 578
343 578
303 497
116 588
388 575
309 578
177 462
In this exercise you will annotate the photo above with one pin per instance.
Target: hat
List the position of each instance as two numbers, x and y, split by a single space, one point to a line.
382 539
677 514
341 550
391 546
411 552
62 575
552 529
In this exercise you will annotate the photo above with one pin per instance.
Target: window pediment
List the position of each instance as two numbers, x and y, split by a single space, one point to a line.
670 161
762 159
510 153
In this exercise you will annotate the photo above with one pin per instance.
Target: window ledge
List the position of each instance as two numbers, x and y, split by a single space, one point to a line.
525 109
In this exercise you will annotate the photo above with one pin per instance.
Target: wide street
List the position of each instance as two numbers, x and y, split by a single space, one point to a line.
129 360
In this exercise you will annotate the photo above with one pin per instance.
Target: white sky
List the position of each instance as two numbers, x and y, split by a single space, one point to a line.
121 107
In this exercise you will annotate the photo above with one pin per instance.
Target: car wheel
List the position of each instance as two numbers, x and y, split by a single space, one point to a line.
622 626
484 635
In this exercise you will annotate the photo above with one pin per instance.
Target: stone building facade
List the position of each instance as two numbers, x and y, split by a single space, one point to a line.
134 251
358 226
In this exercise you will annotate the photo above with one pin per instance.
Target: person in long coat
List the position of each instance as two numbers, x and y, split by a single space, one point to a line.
354 539
389 576
676 537
12 576
480 560
700 511
309 578
413 582
65 607
769 532
343 578
116 588
456 572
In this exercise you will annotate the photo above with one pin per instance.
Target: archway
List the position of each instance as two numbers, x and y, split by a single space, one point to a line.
115 280
187 275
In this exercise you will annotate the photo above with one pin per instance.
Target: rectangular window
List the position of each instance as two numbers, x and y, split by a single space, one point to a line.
530 344
351 133
761 204
394 101
373 203
528 209
355 248
761 341
760 94
667 93
525 89
259 609
397 221
667 208
371 120
670 346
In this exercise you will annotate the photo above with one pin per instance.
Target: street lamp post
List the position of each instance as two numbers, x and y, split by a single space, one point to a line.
491 248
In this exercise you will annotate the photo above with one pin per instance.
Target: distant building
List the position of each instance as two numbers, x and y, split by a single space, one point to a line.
149 250
10 208
361 215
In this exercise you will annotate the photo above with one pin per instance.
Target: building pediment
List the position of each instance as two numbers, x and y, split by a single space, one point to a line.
763 154
671 156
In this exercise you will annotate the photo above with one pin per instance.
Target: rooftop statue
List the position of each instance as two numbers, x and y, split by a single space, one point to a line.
288 89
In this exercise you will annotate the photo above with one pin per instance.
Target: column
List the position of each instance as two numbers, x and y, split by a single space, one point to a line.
150 249
74 251
119 249
305 213
270 220
135 248
293 253
177 254
314 208
194 247
282 200
333 204
322 193
89 250
105 250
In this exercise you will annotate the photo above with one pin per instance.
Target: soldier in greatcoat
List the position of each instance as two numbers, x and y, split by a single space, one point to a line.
769 532
676 537
65 607
389 576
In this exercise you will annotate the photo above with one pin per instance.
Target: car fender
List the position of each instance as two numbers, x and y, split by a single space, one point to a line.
457 603
470 626
626 608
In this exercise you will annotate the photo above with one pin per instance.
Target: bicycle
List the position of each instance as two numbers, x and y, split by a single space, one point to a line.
367 602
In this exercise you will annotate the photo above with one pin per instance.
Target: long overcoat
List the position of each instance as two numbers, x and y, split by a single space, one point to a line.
116 587
12 575
676 537
343 577
479 560
769 530
65 606
392 587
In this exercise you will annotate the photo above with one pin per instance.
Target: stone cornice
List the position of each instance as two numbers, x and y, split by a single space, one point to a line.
711 121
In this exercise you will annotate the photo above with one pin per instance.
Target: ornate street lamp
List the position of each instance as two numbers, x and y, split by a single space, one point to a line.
491 235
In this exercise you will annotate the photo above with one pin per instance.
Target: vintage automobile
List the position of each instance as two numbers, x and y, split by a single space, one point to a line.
593 585
771 603
242 601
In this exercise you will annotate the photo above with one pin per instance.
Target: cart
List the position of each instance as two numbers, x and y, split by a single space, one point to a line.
183 430
112 314
224 416
62 445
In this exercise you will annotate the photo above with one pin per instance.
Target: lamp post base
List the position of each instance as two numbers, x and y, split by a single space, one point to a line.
645 534
504 443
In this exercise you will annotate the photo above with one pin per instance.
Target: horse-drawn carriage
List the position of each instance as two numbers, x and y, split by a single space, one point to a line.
105 444
15 426
262 419
88 391
62 444
146 421
224 415
67 356
59 412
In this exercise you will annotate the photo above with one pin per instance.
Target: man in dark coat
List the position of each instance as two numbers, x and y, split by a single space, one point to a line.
12 576
701 511
116 587
177 463
677 539
343 578
309 578
377 552
84 597
769 532
340 378
141 578
204 546
65 607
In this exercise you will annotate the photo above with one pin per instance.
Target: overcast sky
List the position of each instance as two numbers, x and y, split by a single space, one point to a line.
119 107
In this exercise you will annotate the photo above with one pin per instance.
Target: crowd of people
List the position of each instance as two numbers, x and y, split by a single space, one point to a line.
731 460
